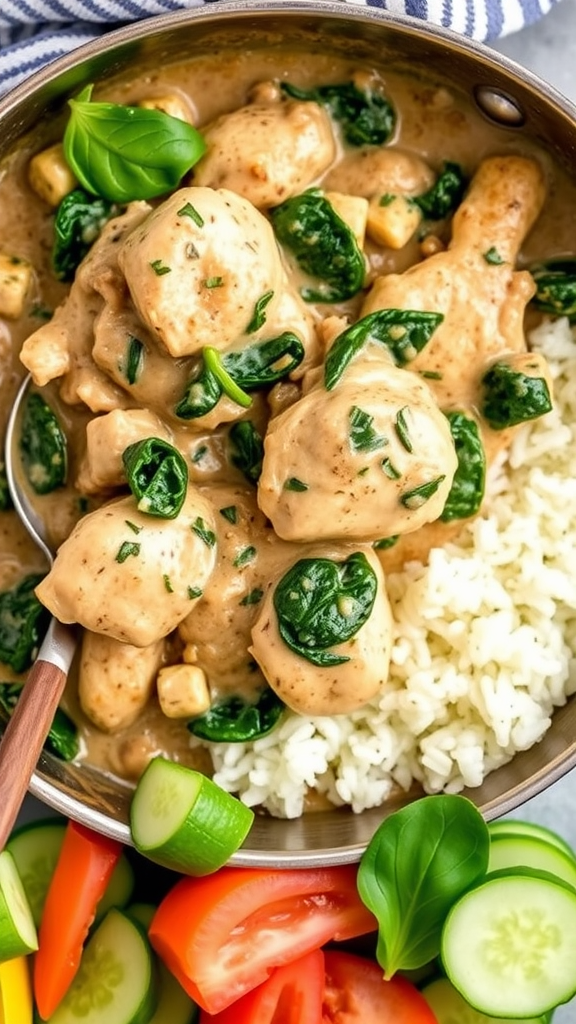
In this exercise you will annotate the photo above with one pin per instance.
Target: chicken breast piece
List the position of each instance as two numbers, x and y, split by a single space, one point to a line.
311 689
129 575
380 171
267 152
197 266
115 679
107 437
370 459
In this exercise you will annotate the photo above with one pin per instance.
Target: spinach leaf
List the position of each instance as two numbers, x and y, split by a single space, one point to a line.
157 476
5 497
80 218
320 603
237 721
124 153
366 115
255 366
467 490
556 287
446 193
247 450
62 739
23 622
405 332
323 245
43 446
419 862
512 397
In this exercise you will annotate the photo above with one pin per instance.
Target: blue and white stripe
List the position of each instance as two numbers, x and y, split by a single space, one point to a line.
35 32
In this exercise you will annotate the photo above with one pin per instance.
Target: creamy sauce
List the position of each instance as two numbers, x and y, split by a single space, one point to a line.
433 126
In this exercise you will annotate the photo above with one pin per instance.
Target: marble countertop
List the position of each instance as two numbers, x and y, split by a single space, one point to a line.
549 50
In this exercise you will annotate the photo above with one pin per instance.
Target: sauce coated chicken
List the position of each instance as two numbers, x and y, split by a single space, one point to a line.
317 325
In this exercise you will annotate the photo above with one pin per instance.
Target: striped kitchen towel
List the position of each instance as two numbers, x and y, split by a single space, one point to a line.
34 32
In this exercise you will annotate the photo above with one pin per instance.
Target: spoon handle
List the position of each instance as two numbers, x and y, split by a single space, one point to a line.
31 719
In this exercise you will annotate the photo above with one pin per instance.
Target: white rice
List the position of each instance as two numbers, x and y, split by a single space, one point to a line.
485 642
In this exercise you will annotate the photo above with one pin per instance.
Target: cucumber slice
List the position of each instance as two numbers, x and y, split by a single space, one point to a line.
509 945
183 820
174 1004
35 848
514 827
119 888
449 1006
511 851
115 981
17 929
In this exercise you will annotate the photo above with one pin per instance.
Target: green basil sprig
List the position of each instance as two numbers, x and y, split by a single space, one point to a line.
62 739
79 220
467 490
157 476
237 721
445 194
124 153
23 622
419 862
366 115
254 367
512 397
43 446
323 245
556 287
405 332
320 603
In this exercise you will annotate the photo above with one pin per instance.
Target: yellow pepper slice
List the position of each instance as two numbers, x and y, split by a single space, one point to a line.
15 991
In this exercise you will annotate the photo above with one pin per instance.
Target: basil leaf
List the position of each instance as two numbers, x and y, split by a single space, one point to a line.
79 220
265 363
366 115
23 622
43 446
404 332
555 287
419 862
236 721
320 603
124 153
157 476
247 450
467 490
323 245
445 194
512 397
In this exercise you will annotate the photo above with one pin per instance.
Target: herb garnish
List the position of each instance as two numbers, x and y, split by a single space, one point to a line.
214 282
363 437
254 597
244 557
160 268
230 513
132 526
390 469
386 542
418 496
294 484
401 428
134 359
190 211
493 257
259 315
199 454
201 530
126 549
167 583
194 592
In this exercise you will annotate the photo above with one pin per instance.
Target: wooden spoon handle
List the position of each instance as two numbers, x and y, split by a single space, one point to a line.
30 722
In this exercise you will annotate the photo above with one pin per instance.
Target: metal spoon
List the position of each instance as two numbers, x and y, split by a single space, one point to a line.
31 719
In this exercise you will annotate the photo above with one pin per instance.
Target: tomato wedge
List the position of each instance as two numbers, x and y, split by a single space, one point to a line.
355 993
222 935
291 995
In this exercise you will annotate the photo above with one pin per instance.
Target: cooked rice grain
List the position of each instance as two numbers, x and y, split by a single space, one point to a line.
485 642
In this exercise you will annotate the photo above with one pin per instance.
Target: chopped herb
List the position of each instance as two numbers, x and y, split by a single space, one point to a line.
386 199
194 592
259 315
167 583
294 484
390 469
190 211
199 454
160 268
230 513
493 257
244 556
126 549
134 359
385 542
213 282
430 374
363 471
363 437
201 530
254 597
247 449
132 526
418 496
402 429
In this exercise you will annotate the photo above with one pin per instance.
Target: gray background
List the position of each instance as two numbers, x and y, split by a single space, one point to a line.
549 50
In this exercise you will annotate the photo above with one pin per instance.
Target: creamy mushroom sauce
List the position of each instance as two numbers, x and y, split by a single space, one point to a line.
112 695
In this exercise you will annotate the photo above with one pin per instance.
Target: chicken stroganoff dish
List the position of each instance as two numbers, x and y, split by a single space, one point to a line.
300 428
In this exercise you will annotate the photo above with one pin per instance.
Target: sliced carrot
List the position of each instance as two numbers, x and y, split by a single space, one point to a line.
82 873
